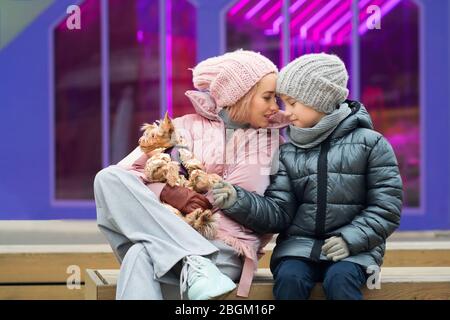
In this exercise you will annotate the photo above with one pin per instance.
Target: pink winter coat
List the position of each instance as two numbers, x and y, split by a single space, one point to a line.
242 157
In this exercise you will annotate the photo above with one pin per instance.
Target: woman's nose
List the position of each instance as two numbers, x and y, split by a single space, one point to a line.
275 107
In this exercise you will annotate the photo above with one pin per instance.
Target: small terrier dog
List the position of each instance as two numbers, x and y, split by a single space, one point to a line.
156 139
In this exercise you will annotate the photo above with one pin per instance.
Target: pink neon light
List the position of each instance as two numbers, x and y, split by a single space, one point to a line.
385 9
238 7
338 24
277 23
340 37
271 11
332 17
256 9
304 13
269 32
296 5
319 14
140 36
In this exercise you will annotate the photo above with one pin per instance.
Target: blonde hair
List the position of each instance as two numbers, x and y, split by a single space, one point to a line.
240 111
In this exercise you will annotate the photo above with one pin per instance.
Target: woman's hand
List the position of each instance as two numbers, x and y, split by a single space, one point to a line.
224 195
184 199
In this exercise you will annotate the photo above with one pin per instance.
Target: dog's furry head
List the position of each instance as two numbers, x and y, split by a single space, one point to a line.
201 181
157 135
160 168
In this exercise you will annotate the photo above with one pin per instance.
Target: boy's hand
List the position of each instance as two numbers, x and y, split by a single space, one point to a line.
224 195
335 248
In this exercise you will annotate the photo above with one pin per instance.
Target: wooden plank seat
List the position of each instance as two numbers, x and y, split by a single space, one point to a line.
397 283
41 271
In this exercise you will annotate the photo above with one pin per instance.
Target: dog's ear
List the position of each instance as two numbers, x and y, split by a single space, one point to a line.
167 125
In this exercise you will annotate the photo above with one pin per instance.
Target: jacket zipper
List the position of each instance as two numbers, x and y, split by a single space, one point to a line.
322 176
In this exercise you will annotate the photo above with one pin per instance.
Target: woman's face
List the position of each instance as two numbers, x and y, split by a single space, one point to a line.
264 104
301 116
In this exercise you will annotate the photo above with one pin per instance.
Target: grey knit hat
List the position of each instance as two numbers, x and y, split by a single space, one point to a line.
316 80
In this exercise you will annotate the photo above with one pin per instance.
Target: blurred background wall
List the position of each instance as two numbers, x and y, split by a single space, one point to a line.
72 101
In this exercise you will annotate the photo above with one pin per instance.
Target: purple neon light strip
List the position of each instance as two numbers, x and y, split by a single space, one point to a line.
271 11
238 7
304 13
344 32
341 35
169 83
277 23
338 24
345 5
315 18
105 74
256 9
385 9
296 5
347 29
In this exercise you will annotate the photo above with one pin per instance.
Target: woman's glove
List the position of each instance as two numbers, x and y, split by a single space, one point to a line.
224 195
184 199
335 248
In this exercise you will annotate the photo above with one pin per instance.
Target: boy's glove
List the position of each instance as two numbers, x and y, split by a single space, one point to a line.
224 195
184 199
335 248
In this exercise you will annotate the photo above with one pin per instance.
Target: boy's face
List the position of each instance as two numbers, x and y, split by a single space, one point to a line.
301 116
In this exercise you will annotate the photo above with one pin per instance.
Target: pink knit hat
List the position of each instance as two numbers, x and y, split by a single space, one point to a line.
230 76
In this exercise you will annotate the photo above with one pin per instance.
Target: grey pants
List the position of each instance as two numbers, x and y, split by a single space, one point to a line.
148 239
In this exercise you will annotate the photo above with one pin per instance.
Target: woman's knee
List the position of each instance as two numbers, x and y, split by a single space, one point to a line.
104 176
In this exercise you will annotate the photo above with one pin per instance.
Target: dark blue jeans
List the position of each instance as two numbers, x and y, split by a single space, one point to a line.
295 278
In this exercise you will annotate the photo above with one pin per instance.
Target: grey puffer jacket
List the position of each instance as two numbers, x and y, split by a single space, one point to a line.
348 186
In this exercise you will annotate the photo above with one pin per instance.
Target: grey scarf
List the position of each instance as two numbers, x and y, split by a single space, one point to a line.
310 137
230 124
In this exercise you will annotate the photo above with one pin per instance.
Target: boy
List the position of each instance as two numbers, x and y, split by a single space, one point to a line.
337 194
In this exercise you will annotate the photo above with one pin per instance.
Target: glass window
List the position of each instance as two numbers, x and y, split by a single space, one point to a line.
389 72
183 54
256 25
77 117
134 72
390 86
321 26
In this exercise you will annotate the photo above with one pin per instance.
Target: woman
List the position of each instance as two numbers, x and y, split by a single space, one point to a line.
157 248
